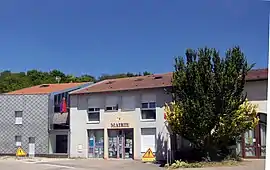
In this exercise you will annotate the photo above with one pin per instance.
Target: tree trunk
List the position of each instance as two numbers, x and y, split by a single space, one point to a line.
210 150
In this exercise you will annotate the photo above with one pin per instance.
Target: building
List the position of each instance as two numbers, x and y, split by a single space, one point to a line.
122 118
31 118
253 144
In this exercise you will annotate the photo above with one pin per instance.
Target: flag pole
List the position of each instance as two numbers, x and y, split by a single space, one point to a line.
267 161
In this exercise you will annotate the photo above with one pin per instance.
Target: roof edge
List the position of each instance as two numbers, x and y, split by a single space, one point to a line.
25 94
45 93
107 91
83 85
75 92
81 91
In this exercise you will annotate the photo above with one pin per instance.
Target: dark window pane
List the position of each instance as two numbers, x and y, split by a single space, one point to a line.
152 105
109 108
18 138
31 139
18 113
91 109
112 108
148 114
56 109
93 116
262 117
144 105
55 100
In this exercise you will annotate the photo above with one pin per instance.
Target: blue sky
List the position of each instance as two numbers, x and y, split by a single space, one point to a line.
113 36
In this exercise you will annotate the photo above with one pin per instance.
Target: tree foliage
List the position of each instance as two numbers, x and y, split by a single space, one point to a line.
13 81
210 108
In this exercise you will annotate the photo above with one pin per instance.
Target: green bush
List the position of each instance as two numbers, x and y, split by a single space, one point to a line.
182 164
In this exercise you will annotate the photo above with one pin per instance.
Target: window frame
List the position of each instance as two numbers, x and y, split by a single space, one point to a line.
32 140
148 108
114 108
18 143
94 111
18 119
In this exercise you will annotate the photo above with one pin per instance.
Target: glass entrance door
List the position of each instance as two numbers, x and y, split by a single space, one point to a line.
254 141
262 139
120 143
115 143
128 144
250 144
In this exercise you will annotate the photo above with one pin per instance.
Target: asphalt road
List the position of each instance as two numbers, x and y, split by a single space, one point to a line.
75 165
86 164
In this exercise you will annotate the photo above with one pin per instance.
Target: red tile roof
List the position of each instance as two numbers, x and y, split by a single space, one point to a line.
257 74
46 88
130 83
150 81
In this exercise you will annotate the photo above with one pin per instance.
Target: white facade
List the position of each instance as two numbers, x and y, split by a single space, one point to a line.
147 133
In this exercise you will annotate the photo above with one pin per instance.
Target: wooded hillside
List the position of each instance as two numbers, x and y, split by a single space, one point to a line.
10 81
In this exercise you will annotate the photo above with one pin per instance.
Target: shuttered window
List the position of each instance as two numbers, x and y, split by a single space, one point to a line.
93 112
111 103
148 139
128 103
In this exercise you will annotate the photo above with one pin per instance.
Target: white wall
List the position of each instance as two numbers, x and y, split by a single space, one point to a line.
52 139
257 94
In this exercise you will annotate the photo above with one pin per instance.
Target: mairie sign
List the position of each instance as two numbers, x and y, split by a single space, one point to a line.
20 152
148 156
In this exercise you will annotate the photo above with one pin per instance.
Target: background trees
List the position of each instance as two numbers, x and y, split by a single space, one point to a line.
12 81
209 108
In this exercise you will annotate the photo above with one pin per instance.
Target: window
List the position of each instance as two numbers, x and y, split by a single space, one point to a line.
57 109
56 104
93 115
148 111
128 103
148 139
18 117
31 140
111 103
56 99
112 108
18 140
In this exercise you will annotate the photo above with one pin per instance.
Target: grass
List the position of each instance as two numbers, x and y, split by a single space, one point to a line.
182 164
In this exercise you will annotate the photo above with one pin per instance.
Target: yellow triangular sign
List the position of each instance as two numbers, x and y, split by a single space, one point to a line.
148 154
20 152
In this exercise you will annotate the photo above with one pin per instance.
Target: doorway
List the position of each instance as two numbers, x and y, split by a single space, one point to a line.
96 143
254 141
61 143
120 143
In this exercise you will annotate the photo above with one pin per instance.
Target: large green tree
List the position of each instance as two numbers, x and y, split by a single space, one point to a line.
210 108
